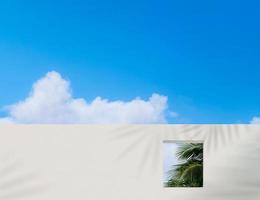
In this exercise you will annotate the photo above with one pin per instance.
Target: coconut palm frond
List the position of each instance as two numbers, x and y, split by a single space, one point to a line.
189 172
186 151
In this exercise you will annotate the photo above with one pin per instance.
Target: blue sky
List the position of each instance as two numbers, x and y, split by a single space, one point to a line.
202 55
169 158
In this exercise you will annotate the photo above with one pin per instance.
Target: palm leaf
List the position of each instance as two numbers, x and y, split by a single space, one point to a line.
189 172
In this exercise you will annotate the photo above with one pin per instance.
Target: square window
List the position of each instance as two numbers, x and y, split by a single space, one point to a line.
183 163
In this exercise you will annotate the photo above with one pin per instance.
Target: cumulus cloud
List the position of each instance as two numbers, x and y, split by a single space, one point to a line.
255 120
51 101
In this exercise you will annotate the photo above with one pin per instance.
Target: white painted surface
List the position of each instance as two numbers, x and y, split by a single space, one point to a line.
65 162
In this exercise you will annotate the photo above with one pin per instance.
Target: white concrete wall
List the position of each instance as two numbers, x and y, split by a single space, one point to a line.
88 162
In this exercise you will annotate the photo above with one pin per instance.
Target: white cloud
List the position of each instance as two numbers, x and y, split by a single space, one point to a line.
51 101
6 120
173 114
255 120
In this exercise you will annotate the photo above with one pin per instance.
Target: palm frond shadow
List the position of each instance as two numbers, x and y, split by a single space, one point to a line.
190 128
15 183
221 136
242 182
134 134
125 131
195 132
130 147
151 154
137 137
214 136
156 160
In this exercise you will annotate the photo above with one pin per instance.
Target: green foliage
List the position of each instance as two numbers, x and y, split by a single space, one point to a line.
189 173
